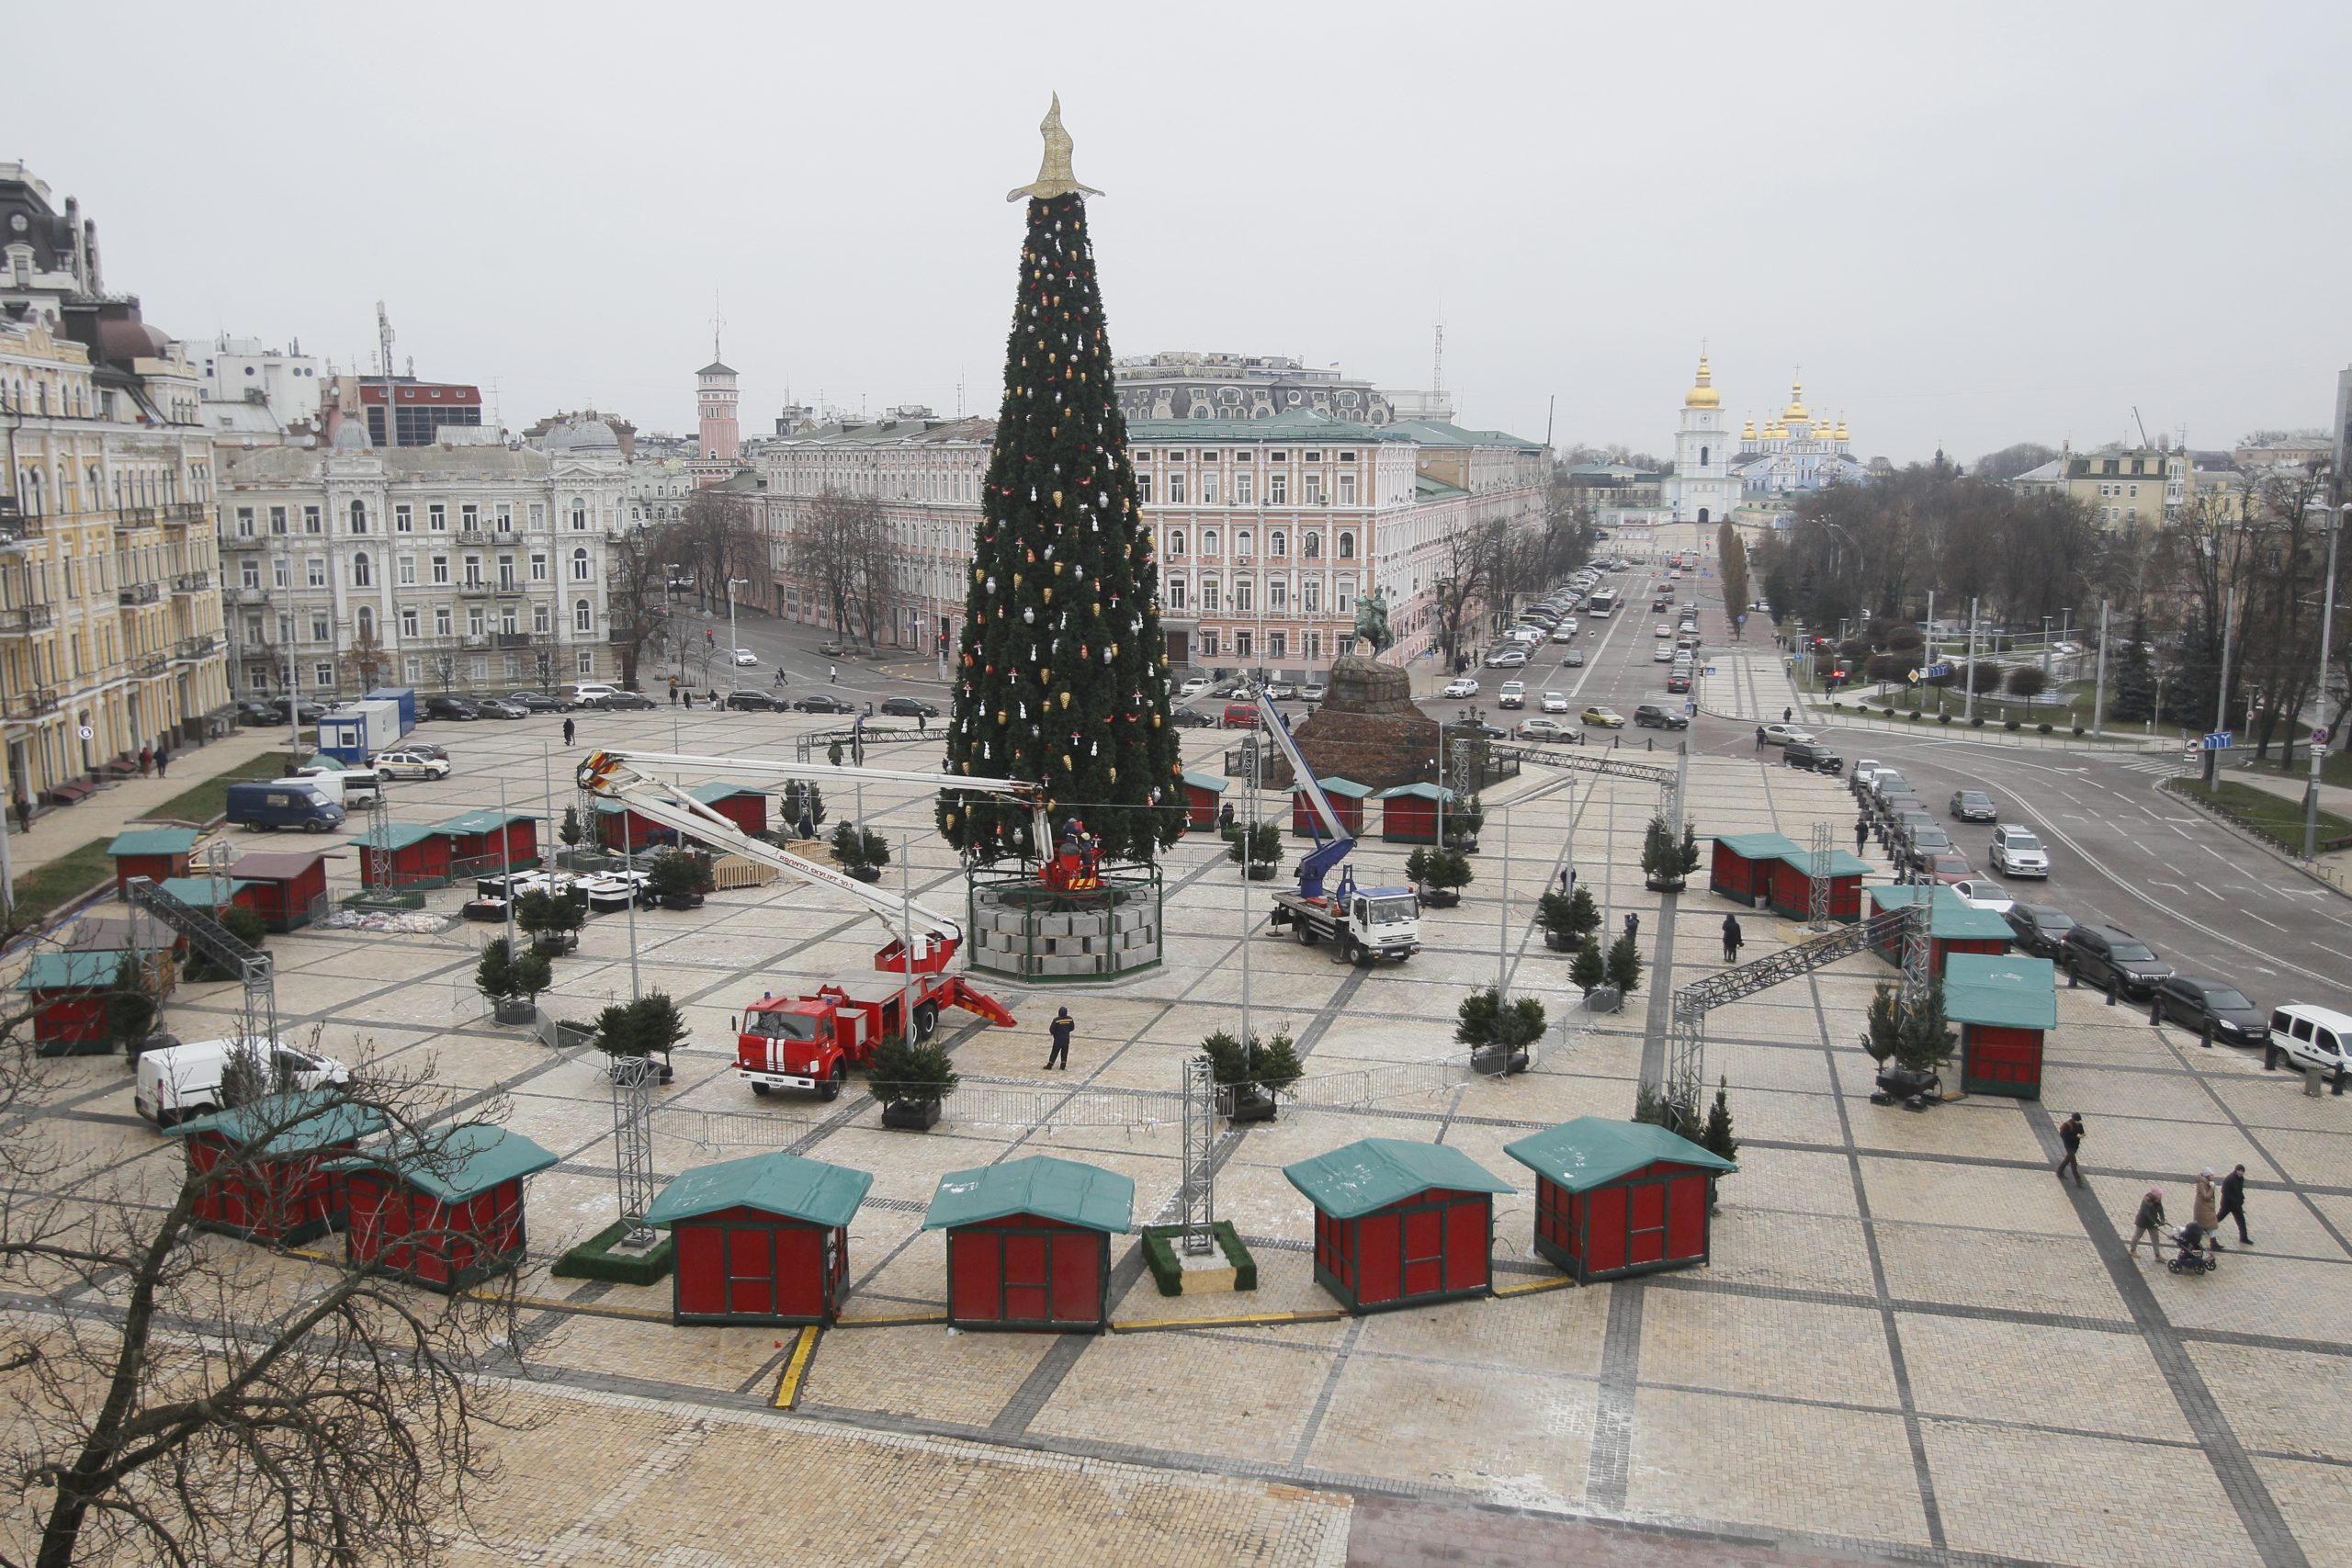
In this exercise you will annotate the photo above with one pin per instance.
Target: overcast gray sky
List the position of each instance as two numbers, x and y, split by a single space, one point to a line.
1971 225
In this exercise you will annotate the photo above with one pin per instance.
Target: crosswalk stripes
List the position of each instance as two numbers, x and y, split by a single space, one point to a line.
2162 765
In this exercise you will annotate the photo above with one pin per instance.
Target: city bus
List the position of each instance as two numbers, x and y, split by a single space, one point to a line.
1602 603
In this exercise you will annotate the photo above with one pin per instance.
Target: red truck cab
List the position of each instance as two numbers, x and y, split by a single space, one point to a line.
809 1043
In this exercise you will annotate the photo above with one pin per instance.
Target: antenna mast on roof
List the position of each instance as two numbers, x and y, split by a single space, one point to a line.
1437 362
384 340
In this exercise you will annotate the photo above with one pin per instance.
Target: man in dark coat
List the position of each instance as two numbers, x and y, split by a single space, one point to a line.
1731 939
2233 1203
1061 1029
2070 1133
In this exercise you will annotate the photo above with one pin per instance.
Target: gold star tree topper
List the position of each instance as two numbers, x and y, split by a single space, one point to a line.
1054 174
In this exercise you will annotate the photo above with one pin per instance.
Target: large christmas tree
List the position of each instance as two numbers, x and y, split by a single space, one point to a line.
1062 677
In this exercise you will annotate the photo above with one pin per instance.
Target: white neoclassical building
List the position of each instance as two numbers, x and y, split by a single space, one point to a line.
457 568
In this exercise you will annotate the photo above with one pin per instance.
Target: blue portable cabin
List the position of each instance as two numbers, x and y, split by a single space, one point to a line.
402 697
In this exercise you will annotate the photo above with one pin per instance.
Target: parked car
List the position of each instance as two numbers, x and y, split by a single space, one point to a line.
175 1082
1557 729
1979 894
500 707
1192 687
1313 691
1512 696
908 707
409 762
1664 630
2097 954
1888 782
1973 806
751 699
1781 734
1945 866
1572 659
2200 1003
745 656
2017 853
2040 929
459 708
1649 715
1662 655
1923 840
1460 686
579 692
259 714
1556 702
619 702
833 648
2314 1036
1240 716
538 701
1513 658
1812 754
1678 681
1606 718
1281 691
1192 718
305 711
825 702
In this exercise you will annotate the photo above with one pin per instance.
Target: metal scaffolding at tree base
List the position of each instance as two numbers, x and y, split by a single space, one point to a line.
216 941
1199 1193
1686 1040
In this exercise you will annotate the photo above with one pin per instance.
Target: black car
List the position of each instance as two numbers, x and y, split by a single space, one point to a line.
1192 718
538 701
2098 954
262 715
2212 1004
824 701
500 707
752 700
305 712
1975 806
1813 755
619 702
1924 840
2040 929
1656 717
450 707
908 708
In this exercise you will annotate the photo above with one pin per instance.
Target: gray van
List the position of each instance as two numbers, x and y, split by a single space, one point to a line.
283 802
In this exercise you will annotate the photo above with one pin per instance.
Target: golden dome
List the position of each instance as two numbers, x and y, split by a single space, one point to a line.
1841 429
1701 396
1747 431
1795 410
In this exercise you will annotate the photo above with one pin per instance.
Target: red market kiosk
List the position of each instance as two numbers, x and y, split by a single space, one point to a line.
445 1213
66 994
761 1240
1408 812
1614 1199
2004 1005
740 804
1347 798
262 1170
1203 794
483 841
1029 1243
1790 885
1400 1224
1952 926
1742 867
288 888
415 857
155 853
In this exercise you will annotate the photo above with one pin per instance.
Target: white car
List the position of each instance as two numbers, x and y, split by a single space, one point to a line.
1784 734
581 692
1662 655
745 656
1280 689
1663 630
1507 659
409 766
1979 894
1314 690
1460 686
1193 687
2017 853
1512 696
1557 729
1556 702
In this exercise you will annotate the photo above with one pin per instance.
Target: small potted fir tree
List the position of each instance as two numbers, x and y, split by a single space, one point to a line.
680 878
1499 1034
1439 875
1254 1075
649 1026
511 992
1265 845
861 854
911 1080
1463 823
1567 919
553 920
1667 862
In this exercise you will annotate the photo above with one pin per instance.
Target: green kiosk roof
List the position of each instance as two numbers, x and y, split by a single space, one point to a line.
395 836
1053 1189
1757 846
1347 787
153 842
291 1123
71 971
1949 919
476 822
2010 992
454 1164
1417 791
778 1183
1209 782
1593 1150
1373 1173
200 892
1840 862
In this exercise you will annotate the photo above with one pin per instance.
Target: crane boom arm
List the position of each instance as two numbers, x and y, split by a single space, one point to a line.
1337 841
1022 790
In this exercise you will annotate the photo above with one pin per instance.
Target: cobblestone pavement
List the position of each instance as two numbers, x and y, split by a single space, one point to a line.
1912 1343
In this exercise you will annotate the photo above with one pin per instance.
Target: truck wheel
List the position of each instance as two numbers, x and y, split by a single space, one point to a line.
1355 951
832 1089
761 1089
926 1019
1305 932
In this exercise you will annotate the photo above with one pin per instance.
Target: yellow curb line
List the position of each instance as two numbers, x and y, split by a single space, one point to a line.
1533 1286
889 1322
1255 1320
787 1387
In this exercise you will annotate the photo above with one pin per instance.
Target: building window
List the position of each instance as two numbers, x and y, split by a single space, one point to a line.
252 574
1347 545
538 565
587 663
1277 645
579 566
278 520
1241 487
281 573
506 574
1310 595
1313 651
540 619
1343 599
403 518
318 627
1244 594
1313 492
412 670
359 517
1175 489
1347 489
1277 596
1278 490
1176 541
1208 643
473 571
580 514
1209 597
436 518
245 522
1243 545
323 676
469 518
441 569
1143 489
441 626
1241 646
583 616
538 515
367 623
408 622
1176 594
363 572
405 573
315 569
1277 543
506 619
1208 489
475 623
1310 546
313 521
1209 543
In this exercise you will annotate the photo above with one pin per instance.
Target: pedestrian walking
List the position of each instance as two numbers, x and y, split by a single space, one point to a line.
1731 939
569 731
163 761
1787 715
673 693
1061 1029
833 675
808 827
1862 834
2208 1212
2150 1222
24 814
921 722
2233 1203
690 699
146 760
2070 1133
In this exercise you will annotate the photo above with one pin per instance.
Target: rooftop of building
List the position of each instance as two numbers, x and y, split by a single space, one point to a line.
1290 425
303 465
889 433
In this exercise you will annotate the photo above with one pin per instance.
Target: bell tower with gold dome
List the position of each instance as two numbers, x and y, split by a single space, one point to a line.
1702 492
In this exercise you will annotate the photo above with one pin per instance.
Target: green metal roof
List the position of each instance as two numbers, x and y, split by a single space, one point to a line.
472 822
712 793
199 892
1840 862
1290 427
1348 787
395 836
783 1184
1209 782
1443 432
70 971
1417 791
1950 921
1758 846
1592 1150
1053 1188
1373 1173
1427 488
2010 992
454 1164
153 842
291 1123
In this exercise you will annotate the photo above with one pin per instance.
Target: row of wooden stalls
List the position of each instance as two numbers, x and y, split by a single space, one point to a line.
1407 814
764 1239
2003 1002
287 888
402 856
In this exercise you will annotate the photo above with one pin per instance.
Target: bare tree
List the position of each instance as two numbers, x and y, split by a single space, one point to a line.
722 539
840 548
185 1400
1467 581
370 662
636 591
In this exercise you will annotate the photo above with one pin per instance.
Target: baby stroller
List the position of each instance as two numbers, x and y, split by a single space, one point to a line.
2194 1251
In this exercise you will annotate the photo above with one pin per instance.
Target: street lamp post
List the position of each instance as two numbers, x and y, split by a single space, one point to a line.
2335 526
734 679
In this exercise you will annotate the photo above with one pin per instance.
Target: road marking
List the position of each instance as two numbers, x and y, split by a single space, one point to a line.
2153 881
2249 914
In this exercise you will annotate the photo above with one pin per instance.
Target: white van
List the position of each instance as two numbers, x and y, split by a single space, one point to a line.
581 692
179 1081
346 786
2314 1036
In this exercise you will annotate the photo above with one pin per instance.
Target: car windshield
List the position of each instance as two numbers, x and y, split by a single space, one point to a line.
2130 951
1391 911
2023 841
781 1026
2052 920
1974 797
2221 998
